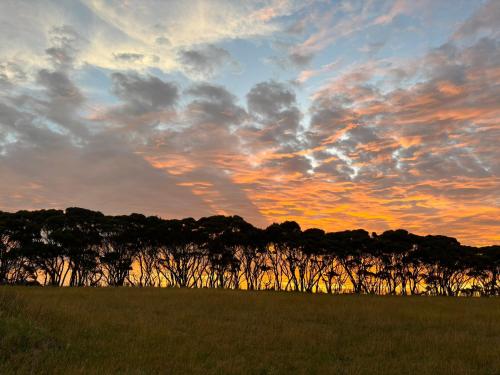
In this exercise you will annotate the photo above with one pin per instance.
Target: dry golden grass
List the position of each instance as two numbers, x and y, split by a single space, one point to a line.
173 331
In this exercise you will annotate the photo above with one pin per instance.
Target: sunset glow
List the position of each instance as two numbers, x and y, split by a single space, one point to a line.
336 114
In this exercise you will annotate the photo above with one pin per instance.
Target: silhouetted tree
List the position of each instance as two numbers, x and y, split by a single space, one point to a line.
354 254
181 261
446 264
120 246
252 249
399 268
284 242
220 237
78 233
79 247
49 256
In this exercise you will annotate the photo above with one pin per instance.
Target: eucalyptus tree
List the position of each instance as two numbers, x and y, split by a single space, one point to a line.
333 276
284 241
22 245
399 268
252 255
79 247
121 243
219 238
491 255
8 244
485 271
145 246
311 259
181 260
48 255
354 249
14 240
78 234
446 264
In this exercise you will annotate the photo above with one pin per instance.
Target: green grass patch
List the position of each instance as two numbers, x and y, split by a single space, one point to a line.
177 331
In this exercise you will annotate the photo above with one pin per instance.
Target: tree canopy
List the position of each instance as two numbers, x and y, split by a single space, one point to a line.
80 247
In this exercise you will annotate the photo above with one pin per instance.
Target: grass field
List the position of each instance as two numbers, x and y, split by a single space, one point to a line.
172 331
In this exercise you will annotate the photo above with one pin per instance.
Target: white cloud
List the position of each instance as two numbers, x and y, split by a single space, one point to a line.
118 28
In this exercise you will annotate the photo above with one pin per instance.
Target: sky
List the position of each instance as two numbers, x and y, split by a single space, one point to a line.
337 114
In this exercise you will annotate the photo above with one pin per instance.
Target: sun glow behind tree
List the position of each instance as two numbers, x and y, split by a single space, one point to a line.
80 247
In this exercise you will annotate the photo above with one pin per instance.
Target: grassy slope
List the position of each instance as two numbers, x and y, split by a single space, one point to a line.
143 331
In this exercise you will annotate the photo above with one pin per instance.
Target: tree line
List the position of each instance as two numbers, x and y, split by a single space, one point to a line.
80 247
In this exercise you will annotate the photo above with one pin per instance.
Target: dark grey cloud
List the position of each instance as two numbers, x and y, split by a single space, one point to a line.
59 86
162 41
297 27
300 59
118 181
144 94
204 61
129 57
485 22
214 104
205 140
269 99
65 43
50 158
329 114
203 126
61 103
290 164
212 92
52 112
276 117
197 142
22 130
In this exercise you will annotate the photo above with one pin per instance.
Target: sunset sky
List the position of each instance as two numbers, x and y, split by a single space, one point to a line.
336 114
